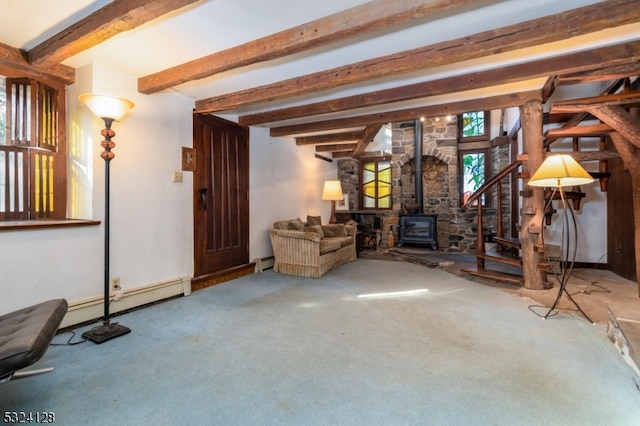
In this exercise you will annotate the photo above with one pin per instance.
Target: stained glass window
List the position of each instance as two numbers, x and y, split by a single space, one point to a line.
376 183
474 166
474 125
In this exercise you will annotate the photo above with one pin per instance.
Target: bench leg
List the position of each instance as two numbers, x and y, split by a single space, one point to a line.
28 373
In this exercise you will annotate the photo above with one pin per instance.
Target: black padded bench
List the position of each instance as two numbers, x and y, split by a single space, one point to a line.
25 335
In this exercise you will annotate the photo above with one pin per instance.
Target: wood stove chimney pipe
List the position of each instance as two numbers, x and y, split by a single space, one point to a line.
418 164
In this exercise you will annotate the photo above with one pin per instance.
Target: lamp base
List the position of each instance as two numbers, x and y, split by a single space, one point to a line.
108 331
333 218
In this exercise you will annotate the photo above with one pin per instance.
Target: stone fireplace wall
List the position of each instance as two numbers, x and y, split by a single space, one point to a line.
441 196
439 173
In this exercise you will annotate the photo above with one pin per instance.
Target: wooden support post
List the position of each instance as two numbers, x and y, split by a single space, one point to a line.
480 237
533 146
603 166
576 201
630 155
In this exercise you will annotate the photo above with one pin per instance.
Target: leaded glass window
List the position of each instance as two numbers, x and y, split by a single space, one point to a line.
474 166
474 125
376 183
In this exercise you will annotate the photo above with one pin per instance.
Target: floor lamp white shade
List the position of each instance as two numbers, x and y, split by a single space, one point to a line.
106 106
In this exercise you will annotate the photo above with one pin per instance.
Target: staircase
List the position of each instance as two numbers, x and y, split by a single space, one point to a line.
506 249
502 261
491 263
510 273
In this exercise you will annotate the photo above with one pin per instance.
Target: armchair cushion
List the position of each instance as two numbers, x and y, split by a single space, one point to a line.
314 220
291 224
329 244
343 241
334 230
315 228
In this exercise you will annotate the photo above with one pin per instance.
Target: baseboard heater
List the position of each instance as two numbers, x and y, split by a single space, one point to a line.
264 263
93 308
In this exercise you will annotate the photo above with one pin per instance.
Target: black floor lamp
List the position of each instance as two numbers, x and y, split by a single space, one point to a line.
109 109
557 172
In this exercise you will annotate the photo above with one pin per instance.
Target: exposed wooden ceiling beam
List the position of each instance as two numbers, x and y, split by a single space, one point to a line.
356 21
571 63
549 87
627 99
369 133
527 34
329 138
339 155
116 17
588 155
619 119
603 73
322 157
453 108
592 130
338 147
575 119
14 60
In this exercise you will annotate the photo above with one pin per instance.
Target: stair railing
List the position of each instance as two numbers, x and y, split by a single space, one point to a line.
476 198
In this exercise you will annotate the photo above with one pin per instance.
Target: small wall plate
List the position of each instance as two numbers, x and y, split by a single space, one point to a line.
188 159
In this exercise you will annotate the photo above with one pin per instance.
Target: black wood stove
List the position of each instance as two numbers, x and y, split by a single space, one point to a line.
418 229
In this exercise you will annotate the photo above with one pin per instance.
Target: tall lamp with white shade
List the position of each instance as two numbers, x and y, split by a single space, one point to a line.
109 109
557 172
332 191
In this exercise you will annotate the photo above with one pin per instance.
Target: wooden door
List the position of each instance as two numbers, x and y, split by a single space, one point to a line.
221 195
620 222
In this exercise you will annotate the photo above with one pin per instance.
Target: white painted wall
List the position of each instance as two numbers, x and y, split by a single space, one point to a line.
151 216
285 182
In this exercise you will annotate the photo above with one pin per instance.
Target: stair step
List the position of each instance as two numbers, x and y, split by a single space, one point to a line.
494 275
501 258
569 195
508 241
544 266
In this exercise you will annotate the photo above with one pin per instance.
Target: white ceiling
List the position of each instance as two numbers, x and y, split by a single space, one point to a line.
209 26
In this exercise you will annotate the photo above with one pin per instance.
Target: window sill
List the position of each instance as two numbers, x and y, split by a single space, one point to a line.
365 211
38 224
